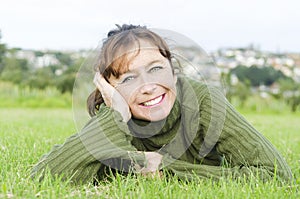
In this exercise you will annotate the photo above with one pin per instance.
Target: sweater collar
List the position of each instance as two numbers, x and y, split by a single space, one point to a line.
146 129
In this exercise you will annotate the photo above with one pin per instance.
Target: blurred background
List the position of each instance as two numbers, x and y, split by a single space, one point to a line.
254 44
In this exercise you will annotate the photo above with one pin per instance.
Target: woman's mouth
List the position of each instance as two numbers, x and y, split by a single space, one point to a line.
154 101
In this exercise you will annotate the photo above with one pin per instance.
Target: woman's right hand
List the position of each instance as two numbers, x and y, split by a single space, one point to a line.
112 97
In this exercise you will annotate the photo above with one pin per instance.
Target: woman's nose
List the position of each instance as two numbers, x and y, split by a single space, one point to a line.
148 88
147 84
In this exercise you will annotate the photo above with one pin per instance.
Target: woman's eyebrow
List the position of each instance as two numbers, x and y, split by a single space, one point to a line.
153 62
129 72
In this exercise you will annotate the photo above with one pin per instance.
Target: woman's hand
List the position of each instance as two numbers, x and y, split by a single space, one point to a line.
153 160
112 97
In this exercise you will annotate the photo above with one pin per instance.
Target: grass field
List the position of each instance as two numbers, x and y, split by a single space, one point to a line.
26 134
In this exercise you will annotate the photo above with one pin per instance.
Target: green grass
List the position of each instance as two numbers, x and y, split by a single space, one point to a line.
16 96
26 134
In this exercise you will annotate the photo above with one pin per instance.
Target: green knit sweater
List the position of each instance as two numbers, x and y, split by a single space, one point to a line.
203 136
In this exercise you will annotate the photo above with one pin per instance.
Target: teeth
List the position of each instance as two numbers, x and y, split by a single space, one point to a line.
152 102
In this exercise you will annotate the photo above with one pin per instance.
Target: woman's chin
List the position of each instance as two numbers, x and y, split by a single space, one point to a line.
153 116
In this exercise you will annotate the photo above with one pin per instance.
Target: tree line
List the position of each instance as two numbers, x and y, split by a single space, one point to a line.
253 77
21 72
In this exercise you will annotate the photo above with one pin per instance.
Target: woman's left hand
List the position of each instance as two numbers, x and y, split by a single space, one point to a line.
151 169
112 97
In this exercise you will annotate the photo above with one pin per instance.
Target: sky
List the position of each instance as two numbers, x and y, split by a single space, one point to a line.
270 25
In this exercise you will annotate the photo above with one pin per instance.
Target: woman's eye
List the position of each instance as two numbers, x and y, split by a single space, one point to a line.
156 68
127 79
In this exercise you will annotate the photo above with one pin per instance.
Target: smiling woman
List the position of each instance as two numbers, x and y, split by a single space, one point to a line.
147 118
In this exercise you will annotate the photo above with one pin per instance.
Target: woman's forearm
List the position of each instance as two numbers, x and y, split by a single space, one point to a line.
80 157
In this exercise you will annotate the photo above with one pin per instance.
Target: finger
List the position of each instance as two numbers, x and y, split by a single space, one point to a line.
96 77
97 81
105 88
104 83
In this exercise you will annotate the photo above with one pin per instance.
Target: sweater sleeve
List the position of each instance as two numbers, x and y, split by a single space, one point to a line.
247 153
103 138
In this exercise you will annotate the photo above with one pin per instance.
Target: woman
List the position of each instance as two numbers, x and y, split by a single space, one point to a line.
146 118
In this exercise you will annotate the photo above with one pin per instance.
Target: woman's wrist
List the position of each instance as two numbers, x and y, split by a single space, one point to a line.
124 117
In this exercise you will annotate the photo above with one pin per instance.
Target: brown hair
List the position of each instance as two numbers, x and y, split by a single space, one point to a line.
113 60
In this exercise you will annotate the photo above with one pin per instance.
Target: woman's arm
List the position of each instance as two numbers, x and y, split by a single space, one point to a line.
79 158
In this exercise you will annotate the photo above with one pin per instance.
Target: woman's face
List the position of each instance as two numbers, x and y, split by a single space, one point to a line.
149 86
